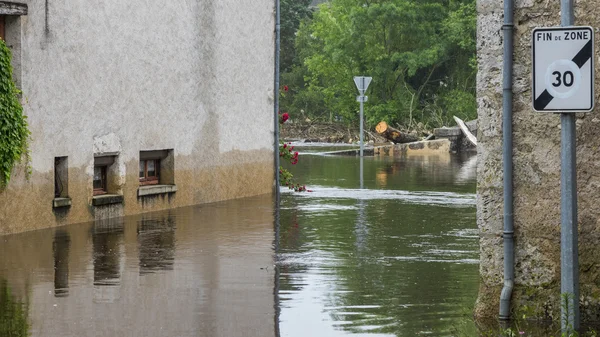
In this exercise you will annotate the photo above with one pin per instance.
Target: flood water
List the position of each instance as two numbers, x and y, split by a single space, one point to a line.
398 257
196 271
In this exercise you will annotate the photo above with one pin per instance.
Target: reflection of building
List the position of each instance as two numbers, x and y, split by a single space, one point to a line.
62 241
212 276
156 239
107 237
139 107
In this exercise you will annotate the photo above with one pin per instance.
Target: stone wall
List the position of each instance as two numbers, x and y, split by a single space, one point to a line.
193 77
536 172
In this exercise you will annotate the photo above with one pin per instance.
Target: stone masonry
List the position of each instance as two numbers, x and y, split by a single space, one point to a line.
536 172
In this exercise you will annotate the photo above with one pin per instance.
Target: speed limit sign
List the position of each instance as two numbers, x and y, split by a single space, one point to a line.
563 69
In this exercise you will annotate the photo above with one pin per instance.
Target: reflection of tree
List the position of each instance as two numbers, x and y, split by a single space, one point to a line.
156 238
382 254
415 173
387 277
62 242
13 315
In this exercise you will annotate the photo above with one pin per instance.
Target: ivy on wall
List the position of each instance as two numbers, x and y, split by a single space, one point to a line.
14 134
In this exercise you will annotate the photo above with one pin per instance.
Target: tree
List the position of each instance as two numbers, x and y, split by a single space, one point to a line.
420 53
292 13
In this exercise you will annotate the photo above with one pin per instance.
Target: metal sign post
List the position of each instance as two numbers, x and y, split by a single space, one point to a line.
569 253
362 83
563 81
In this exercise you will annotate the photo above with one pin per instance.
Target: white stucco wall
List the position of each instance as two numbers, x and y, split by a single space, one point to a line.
193 76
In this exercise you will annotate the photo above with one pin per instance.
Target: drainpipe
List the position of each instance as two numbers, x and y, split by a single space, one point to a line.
276 155
276 93
507 144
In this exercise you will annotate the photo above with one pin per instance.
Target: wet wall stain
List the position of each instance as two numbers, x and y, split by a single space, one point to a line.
27 205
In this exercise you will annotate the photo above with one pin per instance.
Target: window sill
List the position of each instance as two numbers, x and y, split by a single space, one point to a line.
156 189
61 202
107 199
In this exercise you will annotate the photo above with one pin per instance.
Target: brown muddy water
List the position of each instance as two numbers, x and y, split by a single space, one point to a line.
196 271
397 256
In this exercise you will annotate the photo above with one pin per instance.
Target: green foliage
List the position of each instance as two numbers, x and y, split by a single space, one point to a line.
287 154
13 124
421 55
13 316
292 13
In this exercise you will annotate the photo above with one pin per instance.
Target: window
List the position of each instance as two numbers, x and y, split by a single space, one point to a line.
101 168
149 171
156 167
61 189
99 180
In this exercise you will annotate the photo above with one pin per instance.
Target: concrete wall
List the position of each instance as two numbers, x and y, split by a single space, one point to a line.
194 76
536 171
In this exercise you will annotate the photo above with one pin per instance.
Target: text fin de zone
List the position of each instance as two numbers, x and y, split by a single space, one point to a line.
562 36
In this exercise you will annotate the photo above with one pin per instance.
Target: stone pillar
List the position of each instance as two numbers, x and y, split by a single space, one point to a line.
536 173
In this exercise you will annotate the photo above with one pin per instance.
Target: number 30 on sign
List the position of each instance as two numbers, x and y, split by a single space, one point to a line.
563 69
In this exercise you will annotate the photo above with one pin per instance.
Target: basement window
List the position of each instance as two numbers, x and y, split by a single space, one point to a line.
156 167
101 165
99 179
149 171
61 187
61 183
156 172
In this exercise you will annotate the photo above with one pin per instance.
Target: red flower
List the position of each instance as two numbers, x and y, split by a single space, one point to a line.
285 117
285 88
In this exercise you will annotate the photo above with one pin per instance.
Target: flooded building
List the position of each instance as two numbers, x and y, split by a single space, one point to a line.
537 173
138 106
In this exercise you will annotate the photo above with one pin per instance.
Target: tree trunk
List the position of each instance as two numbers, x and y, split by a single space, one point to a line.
394 135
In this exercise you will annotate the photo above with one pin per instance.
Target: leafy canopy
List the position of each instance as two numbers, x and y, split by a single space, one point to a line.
420 53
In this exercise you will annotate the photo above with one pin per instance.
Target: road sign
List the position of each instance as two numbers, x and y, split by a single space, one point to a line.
362 98
563 69
362 83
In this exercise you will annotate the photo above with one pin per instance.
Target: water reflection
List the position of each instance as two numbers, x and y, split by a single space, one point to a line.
396 255
62 242
195 271
156 238
13 314
107 239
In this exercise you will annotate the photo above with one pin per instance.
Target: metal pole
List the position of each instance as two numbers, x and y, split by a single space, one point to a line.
362 98
507 161
362 179
276 105
569 258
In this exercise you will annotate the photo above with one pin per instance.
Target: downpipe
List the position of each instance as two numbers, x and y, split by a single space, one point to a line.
276 101
507 161
277 308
